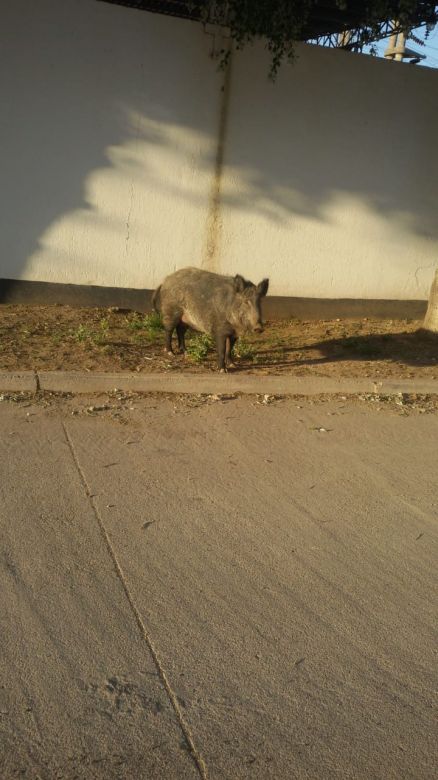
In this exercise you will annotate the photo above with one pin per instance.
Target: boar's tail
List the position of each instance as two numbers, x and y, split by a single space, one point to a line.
156 299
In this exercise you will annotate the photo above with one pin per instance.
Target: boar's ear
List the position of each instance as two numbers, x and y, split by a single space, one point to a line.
239 283
262 287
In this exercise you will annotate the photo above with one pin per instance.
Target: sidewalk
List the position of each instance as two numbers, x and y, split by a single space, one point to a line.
82 382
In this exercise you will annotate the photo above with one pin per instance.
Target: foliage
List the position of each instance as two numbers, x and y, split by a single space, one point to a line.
153 323
199 346
282 22
244 349
150 324
87 336
82 333
102 334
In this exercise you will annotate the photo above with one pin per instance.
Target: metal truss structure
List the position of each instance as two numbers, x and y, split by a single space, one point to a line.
330 23
356 39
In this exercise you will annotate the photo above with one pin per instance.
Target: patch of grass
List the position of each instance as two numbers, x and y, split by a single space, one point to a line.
151 324
101 336
369 350
199 346
135 322
139 337
273 338
351 343
244 350
362 347
82 333
276 357
268 358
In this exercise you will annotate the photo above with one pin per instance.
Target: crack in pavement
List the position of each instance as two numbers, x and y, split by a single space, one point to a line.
194 752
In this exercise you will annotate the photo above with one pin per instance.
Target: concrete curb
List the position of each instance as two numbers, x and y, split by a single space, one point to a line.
81 382
18 381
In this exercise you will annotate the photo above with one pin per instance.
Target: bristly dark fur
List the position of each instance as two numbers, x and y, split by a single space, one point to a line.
223 306
156 300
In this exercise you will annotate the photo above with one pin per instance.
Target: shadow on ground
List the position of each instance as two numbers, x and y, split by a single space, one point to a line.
419 348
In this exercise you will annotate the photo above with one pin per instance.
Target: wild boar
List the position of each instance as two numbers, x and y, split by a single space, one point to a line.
225 307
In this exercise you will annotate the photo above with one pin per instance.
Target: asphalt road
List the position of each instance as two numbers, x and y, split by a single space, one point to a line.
234 590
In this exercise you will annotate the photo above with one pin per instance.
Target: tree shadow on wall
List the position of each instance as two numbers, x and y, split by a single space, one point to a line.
76 81
100 95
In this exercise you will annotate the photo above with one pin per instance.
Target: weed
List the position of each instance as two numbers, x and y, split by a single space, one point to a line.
363 347
369 350
153 320
244 350
275 357
150 323
135 322
350 343
101 336
139 337
272 339
199 346
153 324
82 333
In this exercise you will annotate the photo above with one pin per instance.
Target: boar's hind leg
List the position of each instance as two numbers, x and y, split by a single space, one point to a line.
168 331
181 332
170 322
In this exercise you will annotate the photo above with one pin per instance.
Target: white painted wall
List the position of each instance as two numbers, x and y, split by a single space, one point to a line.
331 178
108 127
108 138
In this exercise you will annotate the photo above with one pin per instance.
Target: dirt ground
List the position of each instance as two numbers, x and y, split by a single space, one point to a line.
67 338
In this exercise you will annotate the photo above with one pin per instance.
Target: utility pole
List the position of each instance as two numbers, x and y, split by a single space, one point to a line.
397 49
396 45
344 39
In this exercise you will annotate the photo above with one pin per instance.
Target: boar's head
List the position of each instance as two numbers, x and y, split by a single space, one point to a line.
247 312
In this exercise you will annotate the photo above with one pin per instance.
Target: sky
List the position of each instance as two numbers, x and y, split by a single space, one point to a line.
430 49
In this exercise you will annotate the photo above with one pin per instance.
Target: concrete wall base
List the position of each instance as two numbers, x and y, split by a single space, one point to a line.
274 307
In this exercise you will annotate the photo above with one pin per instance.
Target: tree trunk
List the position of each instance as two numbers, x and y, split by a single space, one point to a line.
431 318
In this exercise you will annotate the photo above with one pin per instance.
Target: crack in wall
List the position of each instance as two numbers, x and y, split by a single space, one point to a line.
422 268
131 186
128 218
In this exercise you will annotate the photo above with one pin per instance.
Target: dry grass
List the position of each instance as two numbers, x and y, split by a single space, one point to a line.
63 337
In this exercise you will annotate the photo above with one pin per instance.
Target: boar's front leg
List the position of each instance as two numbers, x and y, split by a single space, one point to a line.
229 346
221 339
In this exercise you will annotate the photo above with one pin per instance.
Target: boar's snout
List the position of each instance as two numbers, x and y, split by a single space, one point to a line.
258 328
